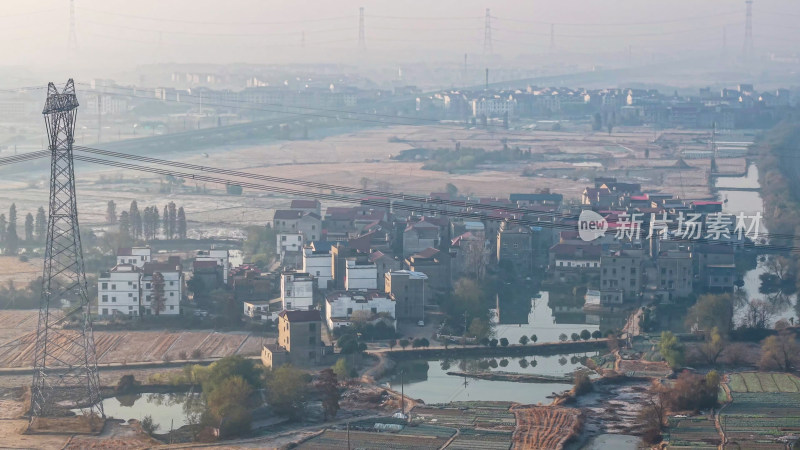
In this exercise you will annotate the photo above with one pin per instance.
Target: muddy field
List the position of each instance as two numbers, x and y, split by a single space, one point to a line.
346 158
17 340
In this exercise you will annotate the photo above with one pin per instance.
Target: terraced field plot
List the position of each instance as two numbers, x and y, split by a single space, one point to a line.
693 432
765 407
495 416
17 342
421 437
545 427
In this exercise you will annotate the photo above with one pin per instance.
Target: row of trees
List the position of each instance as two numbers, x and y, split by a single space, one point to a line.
35 230
148 224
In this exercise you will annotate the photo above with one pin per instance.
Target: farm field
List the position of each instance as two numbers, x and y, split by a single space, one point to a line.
545 427
764 409
409 438
692 432
494 416
123 346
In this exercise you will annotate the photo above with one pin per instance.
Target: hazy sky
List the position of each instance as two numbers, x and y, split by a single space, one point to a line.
115 34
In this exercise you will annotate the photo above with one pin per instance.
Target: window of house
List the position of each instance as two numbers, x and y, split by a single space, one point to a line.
105 298
147 286
288 306
311 341
374 310
312 327
130 294
147 299
130 308
105 311
313 227
318 273
172 283
172 307
105 285
299 238
283 238
113 299
114 286
349 311
288 293
172 294
130 283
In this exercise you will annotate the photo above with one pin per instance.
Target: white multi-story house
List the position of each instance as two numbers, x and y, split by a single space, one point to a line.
318 263
288 243
136 256
119 291
343 307
297 290
221 257
360 275
173 286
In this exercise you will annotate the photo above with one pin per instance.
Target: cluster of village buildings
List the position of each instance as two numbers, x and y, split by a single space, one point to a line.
384 260
740 107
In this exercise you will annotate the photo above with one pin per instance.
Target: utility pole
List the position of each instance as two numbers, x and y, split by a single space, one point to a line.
402 395
487 34
362 42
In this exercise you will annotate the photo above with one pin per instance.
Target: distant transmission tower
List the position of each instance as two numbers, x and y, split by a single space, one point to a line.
65 363
487 34
748 32
362 41
73 36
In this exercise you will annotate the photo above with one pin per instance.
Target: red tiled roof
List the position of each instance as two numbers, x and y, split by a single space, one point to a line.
705 203
304 204
427 253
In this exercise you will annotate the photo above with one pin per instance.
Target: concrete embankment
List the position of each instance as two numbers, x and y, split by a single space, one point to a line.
515 377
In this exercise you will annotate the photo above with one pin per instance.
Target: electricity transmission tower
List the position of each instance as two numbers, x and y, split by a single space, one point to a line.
65 363
487 34
362 41
748 32
73 36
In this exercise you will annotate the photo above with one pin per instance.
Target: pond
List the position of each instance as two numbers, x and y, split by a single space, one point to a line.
167 410
429 381
750 203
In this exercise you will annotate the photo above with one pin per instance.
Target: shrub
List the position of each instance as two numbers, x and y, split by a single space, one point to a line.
504 342
583 384
182 355
148 426
523 340
493 343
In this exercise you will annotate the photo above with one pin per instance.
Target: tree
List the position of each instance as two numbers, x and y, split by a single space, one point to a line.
158 300
29 228
12 240
451 190
575 337
172 212
781 352
493 343
392 343
583 384
343 370
420 343
671 349
148 426
328 387
596 334
586 335
287 390
503 342
523 340
227 404
758 314
136 220
40 225
233 189
479 328
181 223
534 338
713 347
165 228
711 310
348 343
563 337
652 415
111 212
403 343
124 226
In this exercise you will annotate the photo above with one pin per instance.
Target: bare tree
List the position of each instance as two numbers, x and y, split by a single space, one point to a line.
159 300
781 352
758 314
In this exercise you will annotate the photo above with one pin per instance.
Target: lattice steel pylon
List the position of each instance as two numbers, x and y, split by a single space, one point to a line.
65 363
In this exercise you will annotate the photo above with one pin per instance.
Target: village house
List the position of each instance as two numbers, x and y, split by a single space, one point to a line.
299 340
407 289
317 262
342 308
297 290
515 248
136 256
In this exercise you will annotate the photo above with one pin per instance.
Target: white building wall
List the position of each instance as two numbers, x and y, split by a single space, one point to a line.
297 292
289 242
138 256
119 292
319 266
348 304
360 276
